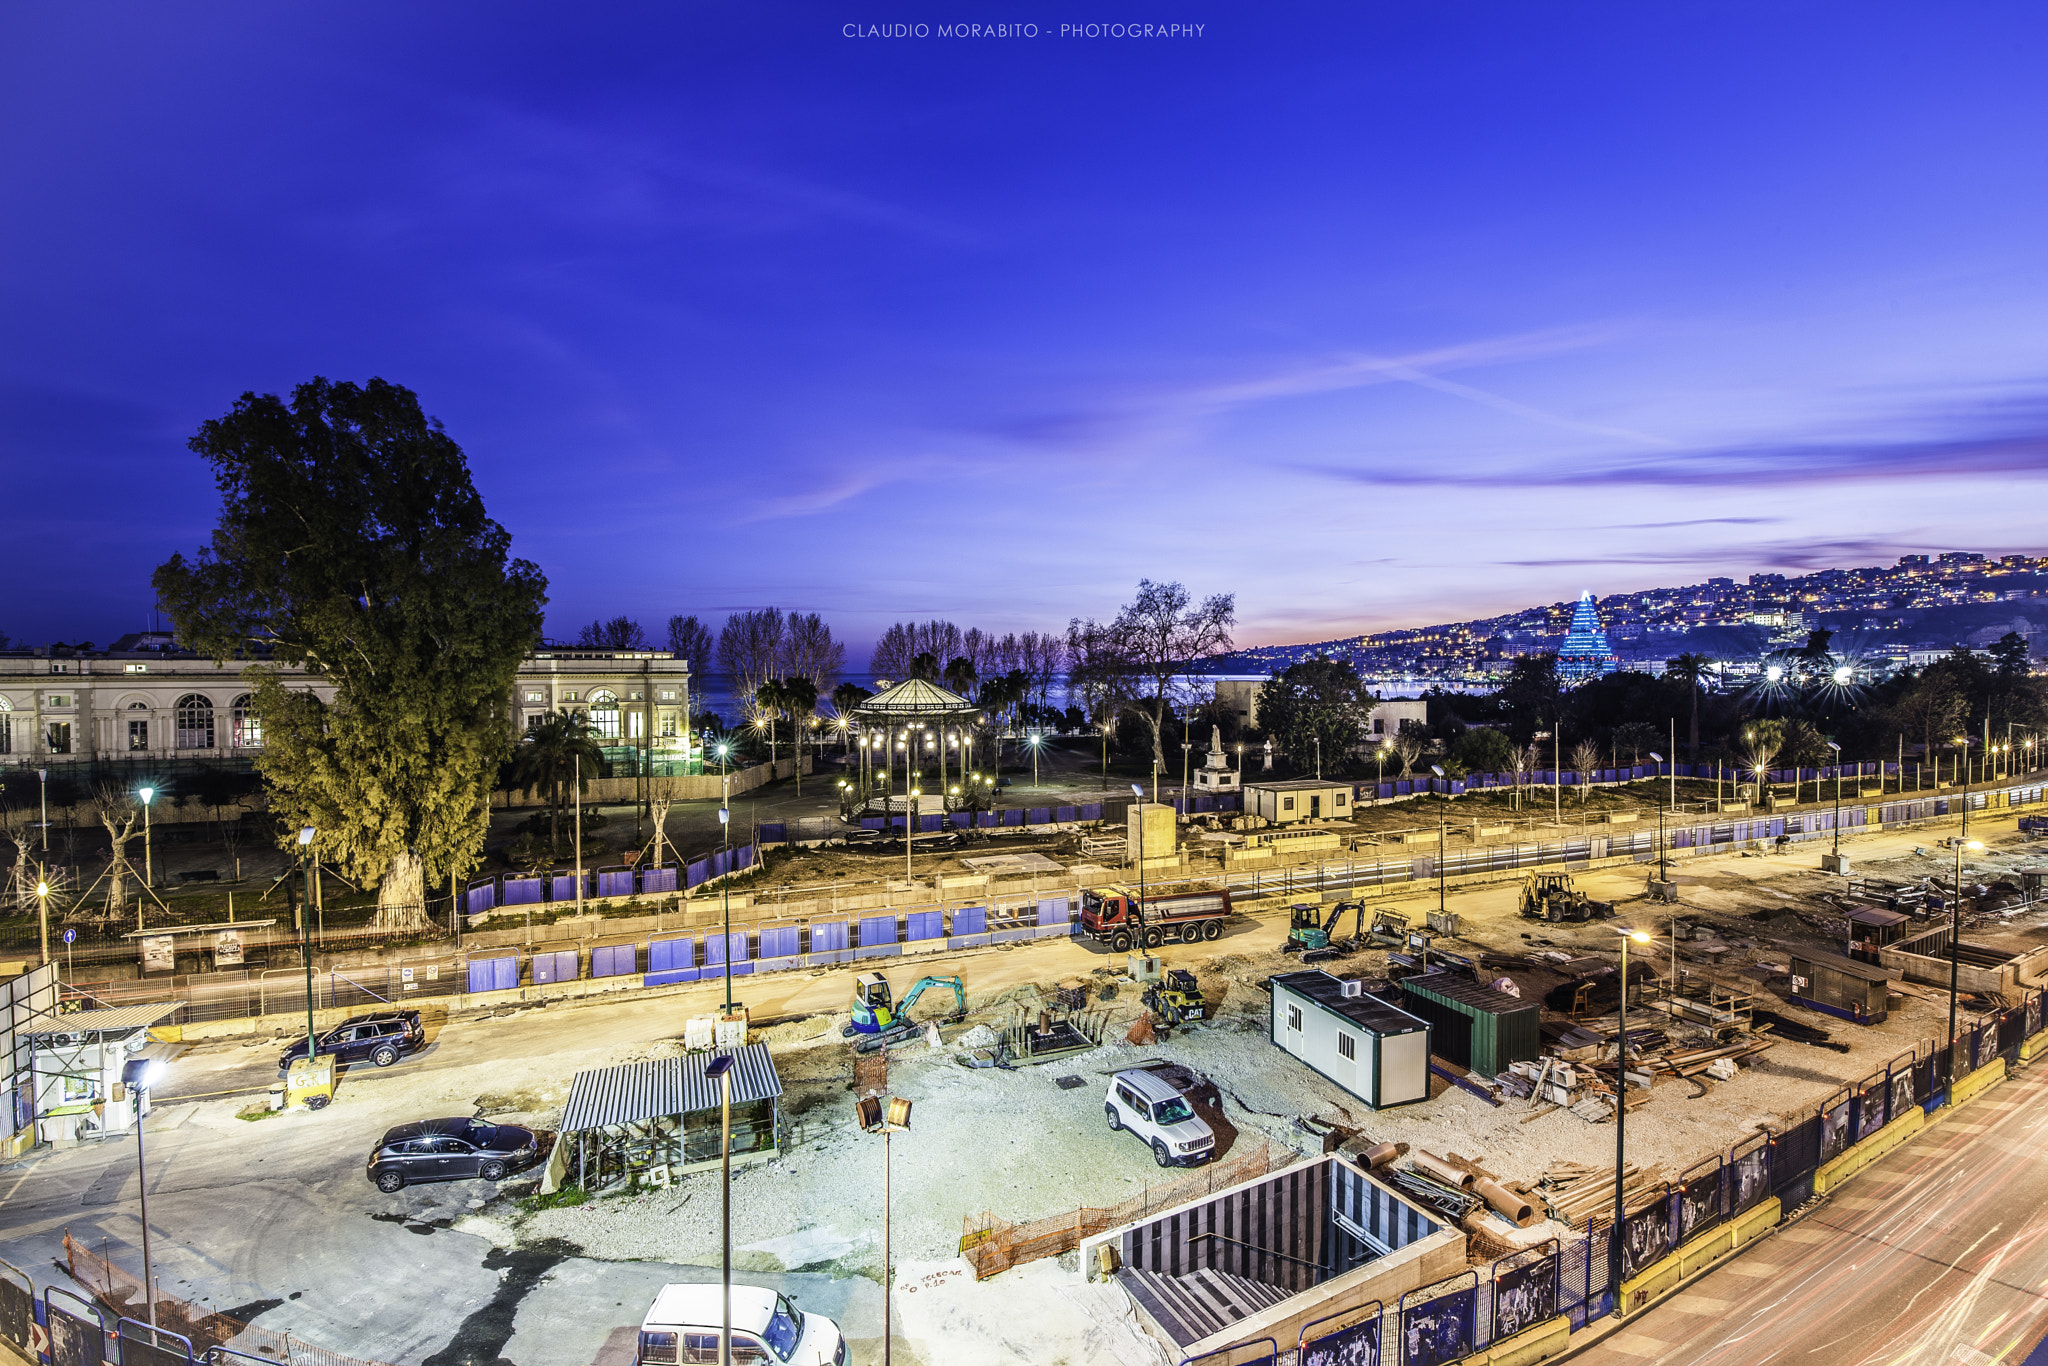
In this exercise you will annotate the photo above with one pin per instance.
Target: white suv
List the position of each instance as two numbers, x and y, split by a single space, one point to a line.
1143 1103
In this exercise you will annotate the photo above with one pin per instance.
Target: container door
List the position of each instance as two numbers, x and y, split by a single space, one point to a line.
1404 1068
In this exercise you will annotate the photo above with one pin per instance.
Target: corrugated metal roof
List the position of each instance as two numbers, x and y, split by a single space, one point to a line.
666 1086
112 1020
1466 992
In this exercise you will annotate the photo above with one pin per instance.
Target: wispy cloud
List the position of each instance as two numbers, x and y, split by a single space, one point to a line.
1691 521
1782 555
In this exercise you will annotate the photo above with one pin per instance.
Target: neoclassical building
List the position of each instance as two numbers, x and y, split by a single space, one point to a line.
146 699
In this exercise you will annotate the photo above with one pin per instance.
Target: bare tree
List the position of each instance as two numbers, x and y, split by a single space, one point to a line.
1586 759
748 645
939 639
977 647
120 814
893 653
690 639
809 651
618 633
1155 638
1407 748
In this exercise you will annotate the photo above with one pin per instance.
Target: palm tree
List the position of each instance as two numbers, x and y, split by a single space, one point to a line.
960 676
769 700
1691 669
800 701
845 698
547 759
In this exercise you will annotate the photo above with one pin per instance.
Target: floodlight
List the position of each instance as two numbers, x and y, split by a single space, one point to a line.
306 833
1654 755
1138 791
1844 673
139 1074
42 889
899 1112
1973 845
1639 937
1774 673
145 793
1833 746
718 1066
867 1113
1437 769
724 815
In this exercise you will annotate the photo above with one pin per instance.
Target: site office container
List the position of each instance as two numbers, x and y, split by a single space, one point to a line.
1112 915
1839 986
1369 1046
1474 1026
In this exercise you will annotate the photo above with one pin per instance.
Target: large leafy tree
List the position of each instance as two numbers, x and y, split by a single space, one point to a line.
1315 699
352 542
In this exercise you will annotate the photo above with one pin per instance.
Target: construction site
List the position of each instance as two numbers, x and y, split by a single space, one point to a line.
1770 1005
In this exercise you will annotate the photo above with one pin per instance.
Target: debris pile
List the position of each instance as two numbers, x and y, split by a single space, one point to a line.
1582 1196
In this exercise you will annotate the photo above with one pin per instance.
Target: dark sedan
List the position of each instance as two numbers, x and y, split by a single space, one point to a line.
451 1150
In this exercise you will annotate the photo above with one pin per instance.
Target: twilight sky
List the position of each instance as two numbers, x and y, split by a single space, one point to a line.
1375 314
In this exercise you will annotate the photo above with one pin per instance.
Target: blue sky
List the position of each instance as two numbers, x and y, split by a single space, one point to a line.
1372 314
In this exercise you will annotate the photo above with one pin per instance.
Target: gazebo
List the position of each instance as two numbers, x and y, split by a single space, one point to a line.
912 713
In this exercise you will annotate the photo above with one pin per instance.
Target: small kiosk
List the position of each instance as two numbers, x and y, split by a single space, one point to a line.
1839 986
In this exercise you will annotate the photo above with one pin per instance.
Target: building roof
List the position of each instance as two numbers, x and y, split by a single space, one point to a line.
1366 1011
914 697
666 1086
1450 986
1875 915
112 1020
1848 967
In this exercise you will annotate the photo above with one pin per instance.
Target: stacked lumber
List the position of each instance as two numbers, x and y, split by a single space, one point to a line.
1692 1062
1575 1193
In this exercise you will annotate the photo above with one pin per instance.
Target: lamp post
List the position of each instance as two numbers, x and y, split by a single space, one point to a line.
873 1118
1955 935
910 834
1663 865
1138 791
725 895
148 863
306 834
1838 805
1034 738
43 787
43 910
576 793
1319 758
1105 749
136 1075
1964 765
1616 1235
1443 800
720 1071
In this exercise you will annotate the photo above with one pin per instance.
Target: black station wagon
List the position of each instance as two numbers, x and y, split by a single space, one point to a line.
382 1039
451 1150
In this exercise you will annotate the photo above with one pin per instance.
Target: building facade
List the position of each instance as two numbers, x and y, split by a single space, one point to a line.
146 700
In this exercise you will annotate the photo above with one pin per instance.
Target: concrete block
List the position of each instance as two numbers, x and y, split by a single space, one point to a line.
1547 1339
1977 1083
1159 824
1833 1174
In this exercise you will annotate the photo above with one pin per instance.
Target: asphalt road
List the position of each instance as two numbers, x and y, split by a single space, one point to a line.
1938 1253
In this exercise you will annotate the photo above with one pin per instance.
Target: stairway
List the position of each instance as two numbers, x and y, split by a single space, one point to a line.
1193 1306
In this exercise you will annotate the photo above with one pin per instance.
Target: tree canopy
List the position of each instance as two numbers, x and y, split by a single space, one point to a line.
1315 700
352 542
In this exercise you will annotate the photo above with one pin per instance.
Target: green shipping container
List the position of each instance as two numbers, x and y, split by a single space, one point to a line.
1474 1026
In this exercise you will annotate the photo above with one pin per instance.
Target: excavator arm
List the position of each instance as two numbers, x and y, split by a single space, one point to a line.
959 993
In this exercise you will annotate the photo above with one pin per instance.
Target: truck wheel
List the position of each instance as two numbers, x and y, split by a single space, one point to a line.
1114 1123
1121 941
1153 937
1213 930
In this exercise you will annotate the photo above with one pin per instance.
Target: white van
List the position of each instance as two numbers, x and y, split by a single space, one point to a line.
681 1329
1145 1104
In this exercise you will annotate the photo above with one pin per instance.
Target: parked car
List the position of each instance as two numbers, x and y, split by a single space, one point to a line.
383 1038
451 1150
1146 1105
683 1324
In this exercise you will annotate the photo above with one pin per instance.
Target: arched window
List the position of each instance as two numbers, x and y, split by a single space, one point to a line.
604 714
138 727
247 732
194 720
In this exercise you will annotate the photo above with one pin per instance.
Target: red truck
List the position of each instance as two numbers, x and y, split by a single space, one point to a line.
1115 917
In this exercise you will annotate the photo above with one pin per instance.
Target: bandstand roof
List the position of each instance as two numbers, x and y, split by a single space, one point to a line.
914 697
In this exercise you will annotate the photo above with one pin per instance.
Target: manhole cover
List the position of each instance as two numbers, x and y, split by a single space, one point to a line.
1068 1083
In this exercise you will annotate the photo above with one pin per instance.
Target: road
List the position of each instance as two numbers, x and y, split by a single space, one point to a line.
1938 1253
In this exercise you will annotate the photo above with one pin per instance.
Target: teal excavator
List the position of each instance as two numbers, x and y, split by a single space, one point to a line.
879 1020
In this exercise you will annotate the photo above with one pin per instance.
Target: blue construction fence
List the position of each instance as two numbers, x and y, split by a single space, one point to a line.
662 960
1012 818
1571 1278
1546 777
540 889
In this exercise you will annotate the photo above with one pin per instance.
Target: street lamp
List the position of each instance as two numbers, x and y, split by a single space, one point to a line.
136 1075
1138 791
1955 935
1443 800
909 834
1663 863
1034 738
306 834
1838 804
1617 1235
1964 765
874 1119
725 896
148 864
720 1071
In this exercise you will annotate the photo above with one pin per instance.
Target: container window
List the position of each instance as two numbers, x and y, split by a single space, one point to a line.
1294 1018
1347 1047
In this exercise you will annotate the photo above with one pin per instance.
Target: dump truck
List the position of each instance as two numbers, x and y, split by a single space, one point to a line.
1113 916
1551 896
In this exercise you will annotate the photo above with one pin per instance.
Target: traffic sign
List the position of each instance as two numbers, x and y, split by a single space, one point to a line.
70 935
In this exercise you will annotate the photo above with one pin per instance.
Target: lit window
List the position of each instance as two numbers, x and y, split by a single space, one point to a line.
135 668
59 736
138 735
668 694
194 720
604 715
535 695
60 668
668 725
248 726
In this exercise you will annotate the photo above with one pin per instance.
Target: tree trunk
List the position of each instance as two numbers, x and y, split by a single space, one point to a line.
402 895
